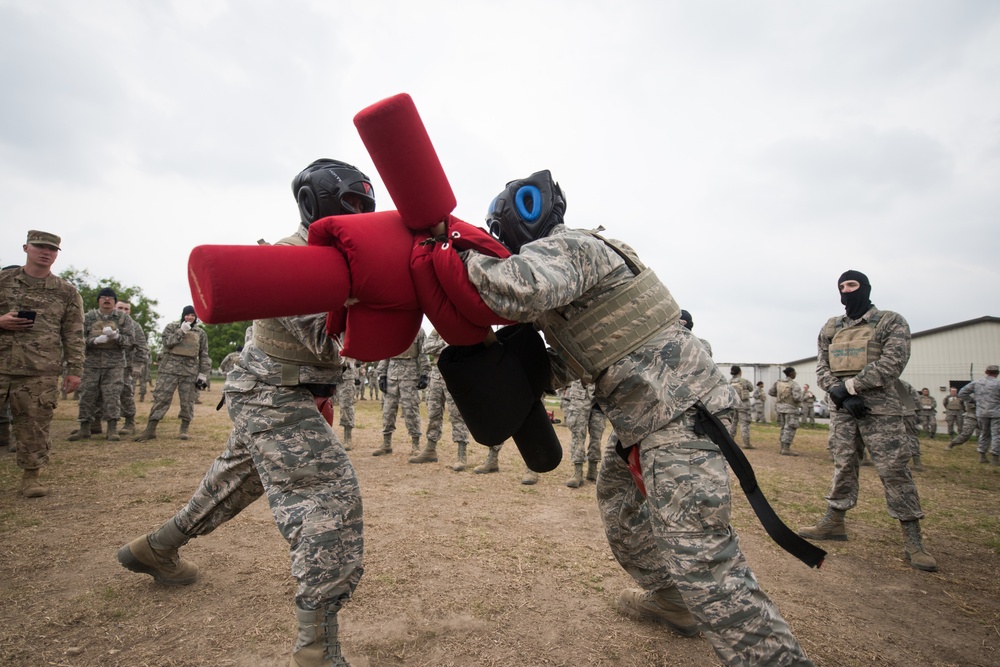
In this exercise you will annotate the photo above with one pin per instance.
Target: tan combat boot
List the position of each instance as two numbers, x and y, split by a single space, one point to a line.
914 549
592 471
995 459
128 428
460 463
347 438
663 606
530 477
165 566
82 434
31 487
386 446
149 433
786 450
576 481
830 527
415 445
429 455
318 644
916 463
113 430
183 435
982 457
491 464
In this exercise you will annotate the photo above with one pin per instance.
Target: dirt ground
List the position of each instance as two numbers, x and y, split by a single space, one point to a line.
470 570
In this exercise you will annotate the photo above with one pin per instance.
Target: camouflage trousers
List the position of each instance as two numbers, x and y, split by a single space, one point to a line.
912 434
954 422
989 435
127 400
437 399
680 535
32 401
969 426
163 394
403 394
741 419
373 391
808 415
758 413
582 422
928 422
345 399
100 393
885 438
789 423
281 445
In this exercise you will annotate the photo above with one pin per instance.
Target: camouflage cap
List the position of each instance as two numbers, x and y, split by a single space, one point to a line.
36 237
993 368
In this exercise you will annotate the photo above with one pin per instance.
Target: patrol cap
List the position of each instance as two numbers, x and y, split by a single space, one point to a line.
36 237
993 368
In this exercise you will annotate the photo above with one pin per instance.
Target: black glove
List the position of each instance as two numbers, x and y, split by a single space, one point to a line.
422 382
383 383
839 394
357 382
856 406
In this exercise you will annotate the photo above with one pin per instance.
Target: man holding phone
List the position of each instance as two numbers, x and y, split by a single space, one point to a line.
41 326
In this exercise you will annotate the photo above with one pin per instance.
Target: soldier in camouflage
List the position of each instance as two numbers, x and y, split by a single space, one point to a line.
108 335
928 413
678 542
138 350
744 390
788 395
400 379
282 446
371 375
861 355
41 328
910 399
228 362
759 401
141 373
346 396
437 398
987 396
808 407
583 420
184 367
970 423
953 409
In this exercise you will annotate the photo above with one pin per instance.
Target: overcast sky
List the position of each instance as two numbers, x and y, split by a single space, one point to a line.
750 151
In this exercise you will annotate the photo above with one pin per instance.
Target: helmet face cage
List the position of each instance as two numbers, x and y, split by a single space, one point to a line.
526 210
321 187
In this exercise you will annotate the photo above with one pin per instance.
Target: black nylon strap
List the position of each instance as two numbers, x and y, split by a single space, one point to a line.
709 425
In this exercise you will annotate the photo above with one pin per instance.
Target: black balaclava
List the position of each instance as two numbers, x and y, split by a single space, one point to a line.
858 302
189 310
686 320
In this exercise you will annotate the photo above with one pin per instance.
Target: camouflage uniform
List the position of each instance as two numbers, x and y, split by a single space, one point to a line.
680 537
987 393
438 397
345 391
758 405
808 408
953 409
743 389
183 358
31 361
910 420
402 374
970 423
228 363
104 366
582 421
928 415
140 371
371 375
136 353
883 432
789 395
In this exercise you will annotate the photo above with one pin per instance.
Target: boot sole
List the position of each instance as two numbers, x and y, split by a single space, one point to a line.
130 562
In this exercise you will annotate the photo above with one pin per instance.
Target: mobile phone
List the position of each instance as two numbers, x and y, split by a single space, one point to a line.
26 314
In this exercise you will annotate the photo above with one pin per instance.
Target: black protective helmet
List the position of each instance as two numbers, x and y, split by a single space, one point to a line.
526 210
320 188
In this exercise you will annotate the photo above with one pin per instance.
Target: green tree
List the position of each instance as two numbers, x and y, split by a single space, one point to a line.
224 338
143 308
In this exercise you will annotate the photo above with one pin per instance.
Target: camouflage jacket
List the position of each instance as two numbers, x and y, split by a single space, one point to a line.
407 366
176 364
787 403
110 354
57 335
138 351
567 271
986 391
876 382
254 365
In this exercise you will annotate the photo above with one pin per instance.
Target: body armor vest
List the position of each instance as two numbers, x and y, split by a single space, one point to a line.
853 348
741 391
785 393
926 402
953 403
616 324
275 341
97 329
189 346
